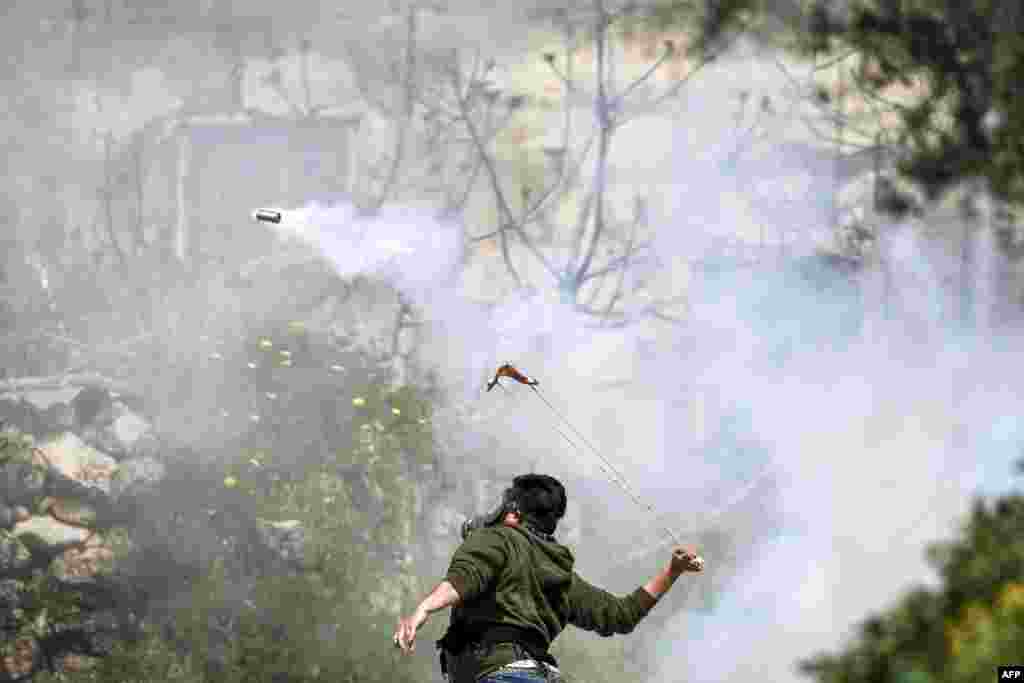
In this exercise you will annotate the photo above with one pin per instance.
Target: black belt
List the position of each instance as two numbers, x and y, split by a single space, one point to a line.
529 640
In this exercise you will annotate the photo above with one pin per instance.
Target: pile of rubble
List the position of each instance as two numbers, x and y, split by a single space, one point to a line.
79 469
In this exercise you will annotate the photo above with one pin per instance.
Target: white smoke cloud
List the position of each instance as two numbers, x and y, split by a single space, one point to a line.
405 246
875 431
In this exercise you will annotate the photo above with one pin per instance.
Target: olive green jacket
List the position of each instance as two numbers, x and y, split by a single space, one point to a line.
509 575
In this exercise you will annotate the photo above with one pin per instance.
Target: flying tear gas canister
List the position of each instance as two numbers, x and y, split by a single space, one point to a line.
267 215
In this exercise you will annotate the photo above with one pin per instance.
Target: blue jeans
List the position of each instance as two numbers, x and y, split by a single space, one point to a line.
521 676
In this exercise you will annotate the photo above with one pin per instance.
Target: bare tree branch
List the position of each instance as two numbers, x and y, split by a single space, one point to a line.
564 78
562 183
405 121
677 86
506 216
622 271
617 264
505 213
836 60
460 204
107 194
603 144
621 98
582 218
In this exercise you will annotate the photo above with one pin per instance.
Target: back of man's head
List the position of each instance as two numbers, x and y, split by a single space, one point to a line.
541 500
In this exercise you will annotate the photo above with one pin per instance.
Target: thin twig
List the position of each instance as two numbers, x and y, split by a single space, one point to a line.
617 263
487 236
569 86
616 295
621 98
674 89
409 103
836 60
506 217
580 231
561 184
459 205
503 208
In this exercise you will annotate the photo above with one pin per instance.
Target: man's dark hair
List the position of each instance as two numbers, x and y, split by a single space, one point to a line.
541 500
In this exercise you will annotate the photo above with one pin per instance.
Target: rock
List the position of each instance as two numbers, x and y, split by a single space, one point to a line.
21 513
21 483
81 563
74 664
21 661
53 409
14 554
92 405
49 531
77 512
45 399
79 462
137 476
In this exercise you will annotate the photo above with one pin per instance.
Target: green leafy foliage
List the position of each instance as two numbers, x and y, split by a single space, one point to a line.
986 637
968 57
15 447
708 22
333 620
958 633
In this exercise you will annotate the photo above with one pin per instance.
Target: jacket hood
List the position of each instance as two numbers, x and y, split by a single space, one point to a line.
555 560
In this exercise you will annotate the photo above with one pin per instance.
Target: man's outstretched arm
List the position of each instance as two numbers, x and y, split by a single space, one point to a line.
474 566
594 609
443 596
684 559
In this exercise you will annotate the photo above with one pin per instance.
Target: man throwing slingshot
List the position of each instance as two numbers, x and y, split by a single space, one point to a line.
513 590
